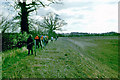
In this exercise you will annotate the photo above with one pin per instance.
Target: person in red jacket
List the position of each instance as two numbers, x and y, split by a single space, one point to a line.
37 41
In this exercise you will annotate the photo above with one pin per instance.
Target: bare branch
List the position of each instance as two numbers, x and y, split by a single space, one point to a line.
31 10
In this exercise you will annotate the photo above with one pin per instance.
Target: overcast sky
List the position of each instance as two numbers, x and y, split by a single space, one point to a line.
92 16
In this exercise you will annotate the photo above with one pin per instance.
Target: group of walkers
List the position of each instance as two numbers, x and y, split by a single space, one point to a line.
38 41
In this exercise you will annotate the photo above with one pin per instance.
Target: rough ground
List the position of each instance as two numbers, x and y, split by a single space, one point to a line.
67 58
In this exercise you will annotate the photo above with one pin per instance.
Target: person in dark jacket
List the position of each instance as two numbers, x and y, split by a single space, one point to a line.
40 42
30 44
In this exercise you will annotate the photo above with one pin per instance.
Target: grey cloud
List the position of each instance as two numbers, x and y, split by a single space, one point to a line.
43 12
66 5
80 16
77 23
112 3
77 16
112 20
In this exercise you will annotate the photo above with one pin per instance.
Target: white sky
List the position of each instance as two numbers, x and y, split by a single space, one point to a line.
92 16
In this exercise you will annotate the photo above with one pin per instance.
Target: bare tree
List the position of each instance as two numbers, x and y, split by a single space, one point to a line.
27 8
52 22
7 24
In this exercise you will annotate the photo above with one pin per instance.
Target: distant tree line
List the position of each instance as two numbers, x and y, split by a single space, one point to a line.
77 34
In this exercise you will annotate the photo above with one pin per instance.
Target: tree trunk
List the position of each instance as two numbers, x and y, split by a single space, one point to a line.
50 33
24 18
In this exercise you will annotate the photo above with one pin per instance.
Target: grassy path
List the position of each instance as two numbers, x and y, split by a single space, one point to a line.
64 58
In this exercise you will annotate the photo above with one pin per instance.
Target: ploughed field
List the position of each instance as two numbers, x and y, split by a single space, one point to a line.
68 57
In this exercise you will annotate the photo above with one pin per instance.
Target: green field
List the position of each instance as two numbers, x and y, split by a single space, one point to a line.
73 57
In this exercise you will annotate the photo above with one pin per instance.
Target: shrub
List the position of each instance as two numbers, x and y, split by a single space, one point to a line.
12 40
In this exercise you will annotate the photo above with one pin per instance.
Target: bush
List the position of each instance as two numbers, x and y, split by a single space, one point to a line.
13 40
